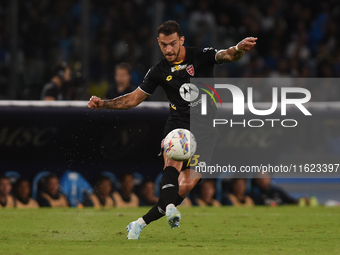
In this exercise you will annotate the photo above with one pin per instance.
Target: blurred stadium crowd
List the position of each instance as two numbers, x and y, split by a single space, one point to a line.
132 190
297 38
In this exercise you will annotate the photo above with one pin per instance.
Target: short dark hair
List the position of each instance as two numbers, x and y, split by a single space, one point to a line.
169 27
207 181
125 66
48 177
102 178
18 182
145 182
124 175
234 180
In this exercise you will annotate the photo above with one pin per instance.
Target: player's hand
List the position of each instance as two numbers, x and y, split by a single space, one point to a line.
247 43
95 103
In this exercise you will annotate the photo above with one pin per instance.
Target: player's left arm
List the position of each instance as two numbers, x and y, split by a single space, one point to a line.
234 53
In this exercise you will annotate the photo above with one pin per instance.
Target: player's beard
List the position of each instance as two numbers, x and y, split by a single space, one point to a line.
179 51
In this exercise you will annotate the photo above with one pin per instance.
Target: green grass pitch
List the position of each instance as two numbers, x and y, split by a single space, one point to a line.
227 230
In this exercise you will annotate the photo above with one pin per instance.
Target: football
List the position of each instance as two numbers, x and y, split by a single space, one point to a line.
180 144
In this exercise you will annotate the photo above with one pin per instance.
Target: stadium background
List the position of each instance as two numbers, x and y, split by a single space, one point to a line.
296 39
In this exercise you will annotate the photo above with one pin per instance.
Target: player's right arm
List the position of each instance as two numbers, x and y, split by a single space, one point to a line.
121 103
146 88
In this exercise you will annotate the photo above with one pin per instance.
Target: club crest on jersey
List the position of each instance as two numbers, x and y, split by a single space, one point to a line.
191 70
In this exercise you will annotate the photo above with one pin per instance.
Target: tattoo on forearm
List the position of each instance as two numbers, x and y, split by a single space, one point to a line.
238 55
117 103
229 55
221 56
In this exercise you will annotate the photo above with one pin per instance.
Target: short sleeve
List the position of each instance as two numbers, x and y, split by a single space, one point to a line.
209 55
149 83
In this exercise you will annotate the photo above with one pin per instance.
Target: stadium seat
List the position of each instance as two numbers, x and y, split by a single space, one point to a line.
13 176
35 183
248 185
157 185
115 182
73 185
138 178
219 186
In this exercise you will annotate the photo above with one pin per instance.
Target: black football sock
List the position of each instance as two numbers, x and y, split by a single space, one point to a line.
169 185
158 210
179 200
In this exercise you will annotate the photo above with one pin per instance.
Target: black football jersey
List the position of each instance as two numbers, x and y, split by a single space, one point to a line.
175 78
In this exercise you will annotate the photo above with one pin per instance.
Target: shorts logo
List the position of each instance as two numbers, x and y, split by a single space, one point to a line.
191 70
189 92
169 78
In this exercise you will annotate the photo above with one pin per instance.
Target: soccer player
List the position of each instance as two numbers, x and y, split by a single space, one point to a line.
179 64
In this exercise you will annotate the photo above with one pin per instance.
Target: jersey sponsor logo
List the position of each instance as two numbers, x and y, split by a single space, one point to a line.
169 78
178 67
191 70
189 92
